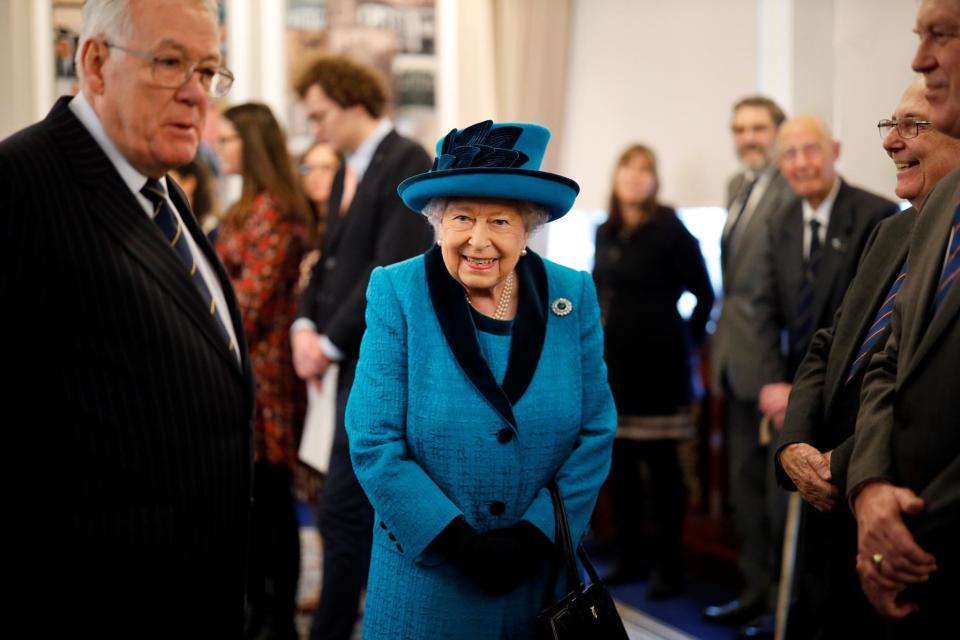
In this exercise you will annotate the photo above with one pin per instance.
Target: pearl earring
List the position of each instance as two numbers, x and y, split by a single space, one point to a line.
523 251
439 243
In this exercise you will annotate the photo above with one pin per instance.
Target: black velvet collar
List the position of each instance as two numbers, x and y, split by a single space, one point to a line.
529 330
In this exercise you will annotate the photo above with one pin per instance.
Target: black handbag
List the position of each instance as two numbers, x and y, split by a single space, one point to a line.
585 612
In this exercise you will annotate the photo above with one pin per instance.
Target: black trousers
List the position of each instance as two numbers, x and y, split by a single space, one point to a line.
346 530
274 566
646 473
828 602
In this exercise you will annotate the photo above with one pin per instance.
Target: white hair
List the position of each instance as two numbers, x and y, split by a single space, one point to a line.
534 215
110 19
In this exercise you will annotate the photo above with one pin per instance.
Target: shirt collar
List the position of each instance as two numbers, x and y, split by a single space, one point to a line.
360 159
130 176
822 213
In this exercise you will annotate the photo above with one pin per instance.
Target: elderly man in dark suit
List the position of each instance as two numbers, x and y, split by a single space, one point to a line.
817 437
813 249
368 226
131 397
753 195
904 475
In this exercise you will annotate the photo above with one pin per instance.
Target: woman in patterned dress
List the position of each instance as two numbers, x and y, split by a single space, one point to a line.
262 239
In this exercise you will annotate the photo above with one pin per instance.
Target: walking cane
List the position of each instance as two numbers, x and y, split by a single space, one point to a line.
787 565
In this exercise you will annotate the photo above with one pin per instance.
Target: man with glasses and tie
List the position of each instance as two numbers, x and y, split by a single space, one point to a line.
813 249
131 390
817 437
753 195
904 475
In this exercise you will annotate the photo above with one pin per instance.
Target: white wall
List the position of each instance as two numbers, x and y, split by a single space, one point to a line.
26 63
873 47
666 74
661 73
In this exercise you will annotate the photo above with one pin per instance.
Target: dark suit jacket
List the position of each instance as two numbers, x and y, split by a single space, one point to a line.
377 230
822 412
823 406
733 347
855 213
907 429
129 416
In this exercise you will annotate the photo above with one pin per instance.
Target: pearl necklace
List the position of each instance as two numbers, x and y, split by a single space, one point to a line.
506 295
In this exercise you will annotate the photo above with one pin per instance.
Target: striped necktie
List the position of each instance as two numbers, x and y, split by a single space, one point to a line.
881 325
174 232
951 269
804 323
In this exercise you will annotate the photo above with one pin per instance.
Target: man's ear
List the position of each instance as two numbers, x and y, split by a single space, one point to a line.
93 55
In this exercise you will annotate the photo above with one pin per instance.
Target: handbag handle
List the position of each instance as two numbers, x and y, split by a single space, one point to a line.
564 541
562 534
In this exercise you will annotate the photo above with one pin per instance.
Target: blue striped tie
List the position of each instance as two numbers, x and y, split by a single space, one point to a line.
879 328
952 267
803 324
173 231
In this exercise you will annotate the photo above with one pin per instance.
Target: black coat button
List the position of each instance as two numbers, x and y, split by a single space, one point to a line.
505 435
497 507
382 525
392 537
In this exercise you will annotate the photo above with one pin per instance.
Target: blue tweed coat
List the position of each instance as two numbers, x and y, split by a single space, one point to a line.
435 435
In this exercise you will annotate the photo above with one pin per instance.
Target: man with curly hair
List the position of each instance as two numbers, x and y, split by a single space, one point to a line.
367 226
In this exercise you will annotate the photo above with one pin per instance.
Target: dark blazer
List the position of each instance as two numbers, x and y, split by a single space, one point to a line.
823 406
377 230
131 418
822 412
907 426
647 345
855 213
733 347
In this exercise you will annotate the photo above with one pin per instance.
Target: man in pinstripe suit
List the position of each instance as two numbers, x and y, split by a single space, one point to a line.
132 395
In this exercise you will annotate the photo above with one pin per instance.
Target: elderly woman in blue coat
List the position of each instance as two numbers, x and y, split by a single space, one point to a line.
481 380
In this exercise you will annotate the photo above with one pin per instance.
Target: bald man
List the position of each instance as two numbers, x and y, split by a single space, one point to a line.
814 245
817 437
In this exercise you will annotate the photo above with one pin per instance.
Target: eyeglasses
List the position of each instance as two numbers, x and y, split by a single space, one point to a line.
906 127
306 169
172 71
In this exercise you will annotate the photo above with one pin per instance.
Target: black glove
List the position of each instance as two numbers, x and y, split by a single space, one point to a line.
499 560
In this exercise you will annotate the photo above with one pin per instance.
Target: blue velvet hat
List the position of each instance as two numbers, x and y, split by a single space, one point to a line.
488 160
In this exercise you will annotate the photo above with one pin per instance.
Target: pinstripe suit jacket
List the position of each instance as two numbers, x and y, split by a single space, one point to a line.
131 416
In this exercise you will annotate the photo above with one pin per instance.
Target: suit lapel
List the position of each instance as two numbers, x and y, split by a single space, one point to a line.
200 239
928 251
755 225
526 344
792 254
333 211
529 328
363 198
453 313
115 207
882 267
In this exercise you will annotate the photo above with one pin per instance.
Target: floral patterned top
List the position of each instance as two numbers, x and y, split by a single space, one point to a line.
262 258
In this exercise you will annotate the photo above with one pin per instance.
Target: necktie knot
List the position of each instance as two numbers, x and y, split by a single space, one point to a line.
153 191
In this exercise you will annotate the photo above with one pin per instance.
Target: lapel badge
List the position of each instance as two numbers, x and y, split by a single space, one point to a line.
838 244
561 307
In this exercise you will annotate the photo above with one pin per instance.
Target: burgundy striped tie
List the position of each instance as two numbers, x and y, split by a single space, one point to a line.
952 267
878 330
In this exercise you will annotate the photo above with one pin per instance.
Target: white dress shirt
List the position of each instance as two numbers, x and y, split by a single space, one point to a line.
821 214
